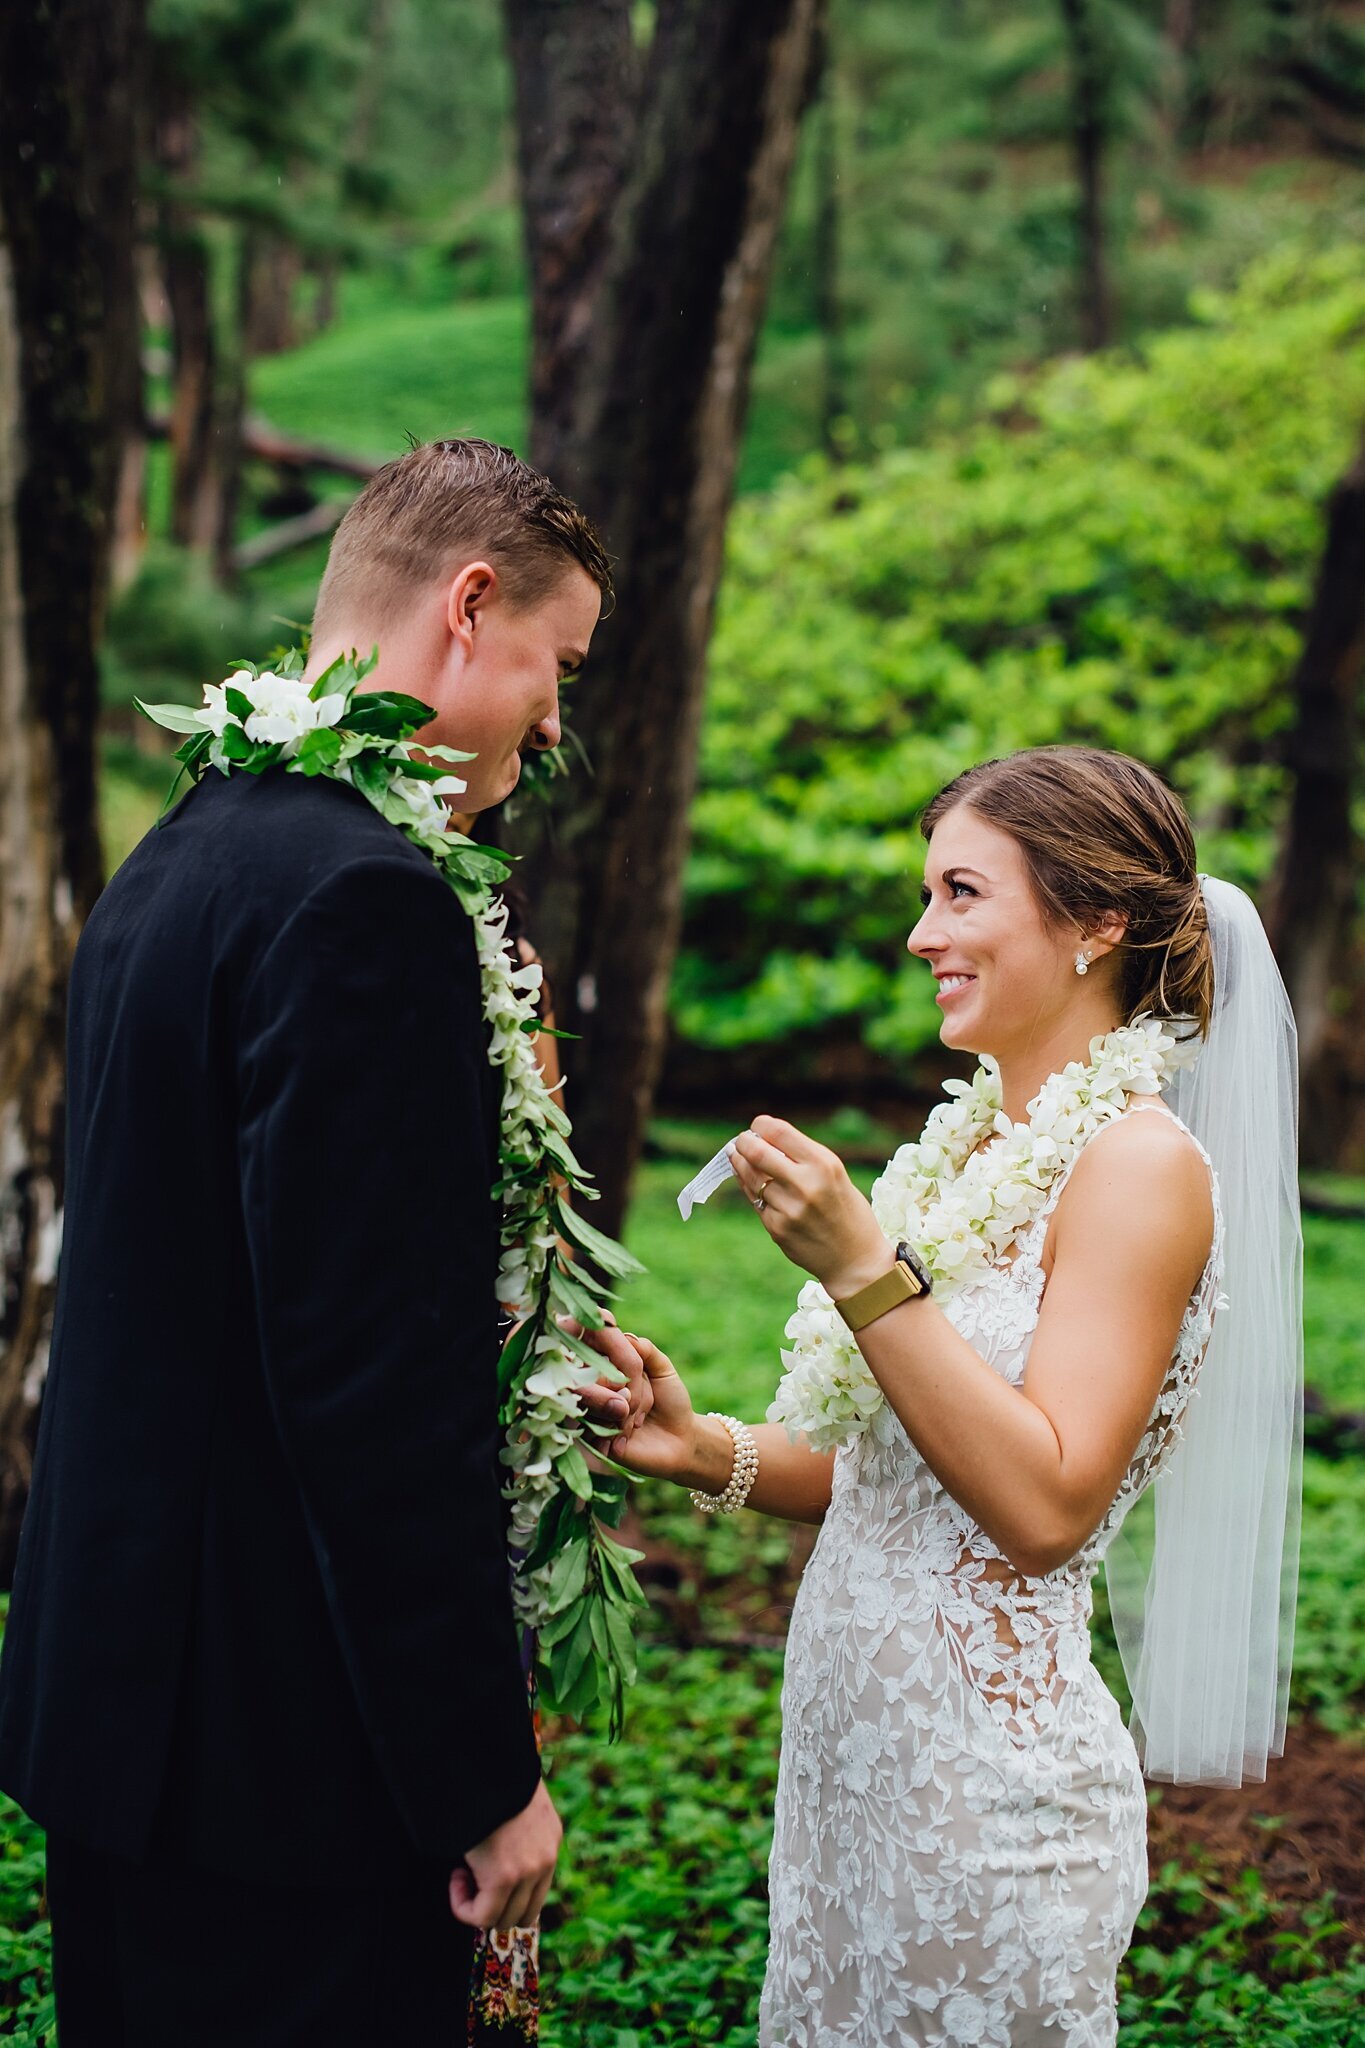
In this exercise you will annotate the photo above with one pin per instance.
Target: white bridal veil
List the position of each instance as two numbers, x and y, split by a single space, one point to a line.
1202 1586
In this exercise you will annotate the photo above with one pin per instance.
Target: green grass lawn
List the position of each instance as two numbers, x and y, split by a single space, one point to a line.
431 371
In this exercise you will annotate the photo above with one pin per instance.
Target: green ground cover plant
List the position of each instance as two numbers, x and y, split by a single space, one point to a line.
726 1337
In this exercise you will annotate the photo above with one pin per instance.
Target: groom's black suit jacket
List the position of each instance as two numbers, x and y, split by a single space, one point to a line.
261 1615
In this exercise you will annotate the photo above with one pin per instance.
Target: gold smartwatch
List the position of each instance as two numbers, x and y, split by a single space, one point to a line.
907 1280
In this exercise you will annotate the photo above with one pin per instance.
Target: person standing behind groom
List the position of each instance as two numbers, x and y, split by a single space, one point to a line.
261 1680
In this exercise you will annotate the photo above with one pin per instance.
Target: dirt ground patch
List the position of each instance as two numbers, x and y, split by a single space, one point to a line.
1303 1830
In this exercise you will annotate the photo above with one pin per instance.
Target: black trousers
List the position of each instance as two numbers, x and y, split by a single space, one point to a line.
160 1956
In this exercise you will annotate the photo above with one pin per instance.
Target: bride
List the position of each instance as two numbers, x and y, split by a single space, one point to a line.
1063 1291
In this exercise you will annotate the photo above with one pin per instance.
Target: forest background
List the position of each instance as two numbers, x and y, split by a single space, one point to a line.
1056 311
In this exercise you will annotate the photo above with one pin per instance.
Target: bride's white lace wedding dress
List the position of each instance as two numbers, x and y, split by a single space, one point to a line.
960 1848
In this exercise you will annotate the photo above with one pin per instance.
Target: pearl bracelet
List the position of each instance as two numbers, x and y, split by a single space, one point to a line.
742 1474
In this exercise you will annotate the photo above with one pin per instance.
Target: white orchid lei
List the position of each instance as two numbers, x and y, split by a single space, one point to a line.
961 1203
573 1582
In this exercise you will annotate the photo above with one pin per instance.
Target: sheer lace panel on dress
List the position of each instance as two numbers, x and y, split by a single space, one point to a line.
1003 1629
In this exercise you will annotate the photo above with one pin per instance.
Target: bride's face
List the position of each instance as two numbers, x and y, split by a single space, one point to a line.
1006 977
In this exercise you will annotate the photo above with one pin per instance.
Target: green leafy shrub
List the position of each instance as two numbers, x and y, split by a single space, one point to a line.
26 2005
1207 1988
1119 553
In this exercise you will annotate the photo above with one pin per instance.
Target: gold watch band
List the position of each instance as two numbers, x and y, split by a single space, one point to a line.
864 1307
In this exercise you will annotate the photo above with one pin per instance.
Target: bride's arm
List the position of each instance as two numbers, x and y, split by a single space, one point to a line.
1036 1466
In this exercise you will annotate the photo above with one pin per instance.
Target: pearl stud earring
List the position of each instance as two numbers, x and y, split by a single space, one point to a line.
1082 963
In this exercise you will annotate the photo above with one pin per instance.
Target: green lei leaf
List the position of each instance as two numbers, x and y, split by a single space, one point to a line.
174 717
387 715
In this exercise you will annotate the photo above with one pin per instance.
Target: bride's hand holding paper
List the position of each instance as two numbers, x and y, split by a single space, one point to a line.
809 1206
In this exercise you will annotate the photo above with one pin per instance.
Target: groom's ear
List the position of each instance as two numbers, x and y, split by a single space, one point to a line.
469 594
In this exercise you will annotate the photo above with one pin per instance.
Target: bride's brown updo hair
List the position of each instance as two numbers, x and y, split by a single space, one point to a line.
1101 835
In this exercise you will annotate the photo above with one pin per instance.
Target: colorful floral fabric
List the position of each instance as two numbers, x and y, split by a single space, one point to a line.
504 2005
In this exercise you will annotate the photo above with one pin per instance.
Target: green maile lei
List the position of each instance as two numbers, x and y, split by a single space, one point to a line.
573 1582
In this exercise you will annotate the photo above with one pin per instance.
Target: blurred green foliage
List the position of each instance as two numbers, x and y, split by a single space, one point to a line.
662 1923
26 2004
931 237
1118 553
1334 1305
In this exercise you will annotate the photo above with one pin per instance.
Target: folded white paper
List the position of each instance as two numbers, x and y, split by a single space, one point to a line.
704 1184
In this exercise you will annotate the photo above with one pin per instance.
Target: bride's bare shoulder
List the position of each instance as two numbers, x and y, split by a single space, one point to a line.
1145 1177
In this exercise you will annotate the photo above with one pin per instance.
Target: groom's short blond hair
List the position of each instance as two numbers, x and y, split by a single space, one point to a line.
442 503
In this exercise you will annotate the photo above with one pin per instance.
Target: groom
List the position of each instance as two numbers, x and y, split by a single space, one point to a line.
261 1680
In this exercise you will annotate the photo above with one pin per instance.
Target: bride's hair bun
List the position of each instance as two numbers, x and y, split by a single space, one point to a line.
1103 835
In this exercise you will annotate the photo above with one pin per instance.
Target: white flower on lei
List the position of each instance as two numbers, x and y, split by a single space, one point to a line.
961 1202
282 710
422 800
214 713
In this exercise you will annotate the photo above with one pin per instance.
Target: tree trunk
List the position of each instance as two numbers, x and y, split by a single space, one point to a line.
195 486
577 76
1089 106
828 302
1179 38
129 542
276 275
654 186
1313 904
322 313
130 511
68 380
230 431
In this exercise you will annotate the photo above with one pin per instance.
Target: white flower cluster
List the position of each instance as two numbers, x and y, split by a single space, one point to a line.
547 1428
282 712
281 709
961 1202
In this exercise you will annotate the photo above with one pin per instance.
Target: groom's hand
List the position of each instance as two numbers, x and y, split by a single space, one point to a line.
624 1401
504 1879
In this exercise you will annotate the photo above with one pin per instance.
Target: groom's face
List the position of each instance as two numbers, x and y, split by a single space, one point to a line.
497 689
